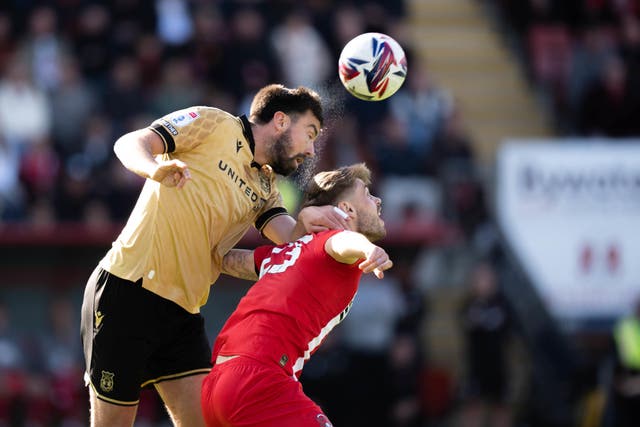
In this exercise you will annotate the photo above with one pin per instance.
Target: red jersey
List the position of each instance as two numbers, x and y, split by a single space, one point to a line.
302 294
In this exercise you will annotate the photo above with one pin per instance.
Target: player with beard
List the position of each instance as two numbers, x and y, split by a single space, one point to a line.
209 176
305 289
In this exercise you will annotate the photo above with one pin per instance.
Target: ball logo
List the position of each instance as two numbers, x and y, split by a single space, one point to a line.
349 69
372 66
377 80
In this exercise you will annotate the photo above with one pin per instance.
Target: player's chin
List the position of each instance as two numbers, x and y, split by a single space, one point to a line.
375 235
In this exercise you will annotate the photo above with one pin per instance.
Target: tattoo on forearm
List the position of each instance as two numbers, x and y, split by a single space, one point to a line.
239 263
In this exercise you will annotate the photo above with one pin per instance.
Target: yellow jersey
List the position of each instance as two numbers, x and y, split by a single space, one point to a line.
175 238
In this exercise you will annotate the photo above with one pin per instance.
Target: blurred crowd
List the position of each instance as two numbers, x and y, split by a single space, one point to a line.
40 372
586 57
76 74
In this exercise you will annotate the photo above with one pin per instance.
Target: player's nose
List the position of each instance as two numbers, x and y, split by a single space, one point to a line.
311 150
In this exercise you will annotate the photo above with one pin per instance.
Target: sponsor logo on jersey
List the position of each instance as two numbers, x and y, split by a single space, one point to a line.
249 192
182 118
238 146
106 381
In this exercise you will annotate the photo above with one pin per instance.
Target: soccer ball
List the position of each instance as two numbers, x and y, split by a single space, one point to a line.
372 66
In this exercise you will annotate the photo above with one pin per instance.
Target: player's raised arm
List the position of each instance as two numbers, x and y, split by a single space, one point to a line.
239 263
311 219
314 219
137 150
348 247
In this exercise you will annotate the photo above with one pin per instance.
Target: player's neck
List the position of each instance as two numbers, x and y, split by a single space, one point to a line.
260 136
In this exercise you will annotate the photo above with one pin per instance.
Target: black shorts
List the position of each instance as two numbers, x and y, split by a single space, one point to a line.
133 338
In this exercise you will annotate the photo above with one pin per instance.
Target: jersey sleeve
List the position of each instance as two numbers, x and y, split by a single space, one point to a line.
183 130
273 207
321 240
259 254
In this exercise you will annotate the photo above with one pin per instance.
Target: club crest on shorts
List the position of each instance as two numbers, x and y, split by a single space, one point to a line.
106 381
323 421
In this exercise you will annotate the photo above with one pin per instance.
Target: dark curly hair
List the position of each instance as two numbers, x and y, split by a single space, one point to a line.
276 97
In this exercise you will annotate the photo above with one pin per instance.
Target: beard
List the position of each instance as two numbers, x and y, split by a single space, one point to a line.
281 162
372 227
305 172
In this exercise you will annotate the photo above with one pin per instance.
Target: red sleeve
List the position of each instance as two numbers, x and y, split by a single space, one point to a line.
259 254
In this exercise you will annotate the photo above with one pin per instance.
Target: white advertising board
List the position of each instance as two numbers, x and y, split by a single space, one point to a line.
570 209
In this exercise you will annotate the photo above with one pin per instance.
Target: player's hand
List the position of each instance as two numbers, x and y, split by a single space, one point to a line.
377 261
172 173
320 218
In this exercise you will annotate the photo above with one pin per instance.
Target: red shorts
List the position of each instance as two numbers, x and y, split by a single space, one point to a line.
243 392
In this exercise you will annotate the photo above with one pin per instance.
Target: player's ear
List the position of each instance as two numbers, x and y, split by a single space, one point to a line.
281 121
347 208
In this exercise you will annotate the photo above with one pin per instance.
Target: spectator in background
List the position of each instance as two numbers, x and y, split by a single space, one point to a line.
7 42
254 63
347 22
73 192
12 201
629 49
25 113
123 97
58 359
13 375
150 54
208 42
630 43
296 34
130 19
44 48
39 170
609 106
174 22
97 144
589 56
486 323
392 151
92 43
625 387
452 152
421 107
406 353
453 162
72 103
368 333
177 89
78 197
404 380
